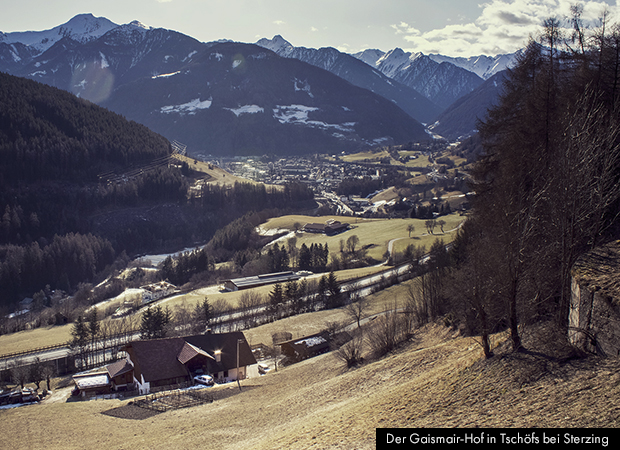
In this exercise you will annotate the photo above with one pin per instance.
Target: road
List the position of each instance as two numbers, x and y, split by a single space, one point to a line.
364 286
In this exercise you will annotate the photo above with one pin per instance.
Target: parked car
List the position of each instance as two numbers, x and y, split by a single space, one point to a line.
207 380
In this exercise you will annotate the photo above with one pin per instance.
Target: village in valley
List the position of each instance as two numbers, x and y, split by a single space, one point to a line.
221 353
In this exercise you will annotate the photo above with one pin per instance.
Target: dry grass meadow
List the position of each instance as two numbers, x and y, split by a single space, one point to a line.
437 379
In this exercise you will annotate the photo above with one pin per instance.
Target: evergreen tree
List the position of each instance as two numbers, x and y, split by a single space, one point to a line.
154 322
79 341
276 302
93 326
305 257
334 291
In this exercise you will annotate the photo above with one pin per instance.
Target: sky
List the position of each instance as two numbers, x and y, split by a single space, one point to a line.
449 27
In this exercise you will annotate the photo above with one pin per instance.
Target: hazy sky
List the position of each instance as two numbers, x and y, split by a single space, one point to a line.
449 27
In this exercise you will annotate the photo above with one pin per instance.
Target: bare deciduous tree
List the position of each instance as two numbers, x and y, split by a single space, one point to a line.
351 351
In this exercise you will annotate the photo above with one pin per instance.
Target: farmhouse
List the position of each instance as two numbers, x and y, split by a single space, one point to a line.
224 348
156 291
330 228
163 362
173 361
237 284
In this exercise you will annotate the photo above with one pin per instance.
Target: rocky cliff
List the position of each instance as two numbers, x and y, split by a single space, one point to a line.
594 318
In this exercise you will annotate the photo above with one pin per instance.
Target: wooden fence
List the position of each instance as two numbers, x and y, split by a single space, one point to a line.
165 400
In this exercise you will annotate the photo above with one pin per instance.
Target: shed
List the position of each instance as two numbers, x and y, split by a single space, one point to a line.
306 347
93 383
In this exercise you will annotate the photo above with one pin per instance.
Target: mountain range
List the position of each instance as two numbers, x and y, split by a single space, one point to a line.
234 98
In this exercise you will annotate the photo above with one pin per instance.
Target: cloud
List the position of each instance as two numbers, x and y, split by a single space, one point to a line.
404 28
503 26
514 19
314 29
279 22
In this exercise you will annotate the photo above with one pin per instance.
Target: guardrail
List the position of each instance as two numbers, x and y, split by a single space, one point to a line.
33 351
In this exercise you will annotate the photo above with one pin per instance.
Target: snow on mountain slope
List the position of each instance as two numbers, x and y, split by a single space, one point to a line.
442 83
358 73
277 45
81 28
483 66
369 56
396 61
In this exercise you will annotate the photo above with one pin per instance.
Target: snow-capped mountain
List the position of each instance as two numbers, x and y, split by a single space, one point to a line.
93 68
369 56
442 83
483 66
461 118
234 98
219 98
358 73
274 98
81 28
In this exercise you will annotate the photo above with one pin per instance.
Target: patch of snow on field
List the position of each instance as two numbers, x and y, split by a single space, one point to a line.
303 86
271 232
127 295
16 405
246 109
298 114
166 75
311 342
293 113
187 108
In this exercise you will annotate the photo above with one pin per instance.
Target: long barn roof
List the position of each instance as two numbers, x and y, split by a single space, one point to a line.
261 280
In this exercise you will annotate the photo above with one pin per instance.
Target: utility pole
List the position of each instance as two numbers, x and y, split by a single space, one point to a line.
238 375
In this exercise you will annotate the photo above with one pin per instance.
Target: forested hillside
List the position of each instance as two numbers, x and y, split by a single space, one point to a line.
49 134
62 224
547 185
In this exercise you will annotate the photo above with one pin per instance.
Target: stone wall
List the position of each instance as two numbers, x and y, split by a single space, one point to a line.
594 318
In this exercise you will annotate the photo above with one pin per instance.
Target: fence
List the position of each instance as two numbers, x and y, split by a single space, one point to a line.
165 400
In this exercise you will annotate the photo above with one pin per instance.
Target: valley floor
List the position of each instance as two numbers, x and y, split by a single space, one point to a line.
438 379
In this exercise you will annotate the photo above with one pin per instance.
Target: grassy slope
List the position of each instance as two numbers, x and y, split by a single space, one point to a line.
37 338
436 380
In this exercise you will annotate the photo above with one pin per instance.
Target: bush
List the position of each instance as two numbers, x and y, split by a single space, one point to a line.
387 332
351 352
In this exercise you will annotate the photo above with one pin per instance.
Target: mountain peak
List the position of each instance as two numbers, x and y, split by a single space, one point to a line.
370 56
81 28
137 23
277 44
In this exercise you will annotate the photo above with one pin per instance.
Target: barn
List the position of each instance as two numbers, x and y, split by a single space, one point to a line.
237 284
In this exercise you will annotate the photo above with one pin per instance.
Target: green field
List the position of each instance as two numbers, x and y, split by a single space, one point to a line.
374 234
